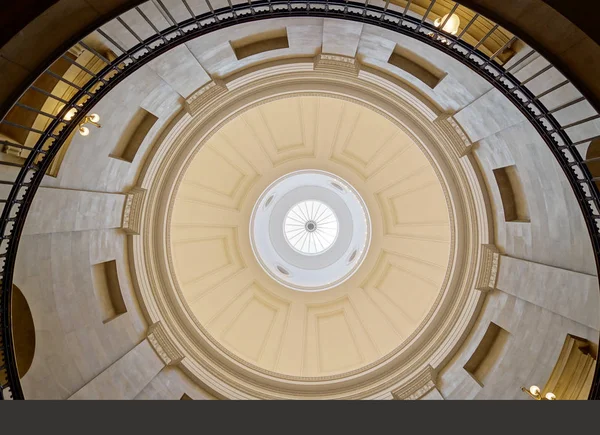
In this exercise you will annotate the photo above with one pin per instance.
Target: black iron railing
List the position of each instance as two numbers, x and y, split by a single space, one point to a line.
30 172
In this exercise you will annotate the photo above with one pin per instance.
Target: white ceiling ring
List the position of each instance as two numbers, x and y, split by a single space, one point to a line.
315 226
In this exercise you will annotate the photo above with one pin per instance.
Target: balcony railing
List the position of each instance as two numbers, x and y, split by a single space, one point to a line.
479 44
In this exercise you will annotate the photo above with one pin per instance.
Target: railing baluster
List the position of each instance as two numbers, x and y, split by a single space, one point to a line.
112 41
550 90
135 35
48 94
501 49
81 67
235 17
151 24
189 9
95 53
32 109
212 11
462 33
165 13
14 124
563 106
404 12
536 75
487 35
595 159
5 163
385 8
448 17
425 15
517 63
62 79
582 141
581 121
17 145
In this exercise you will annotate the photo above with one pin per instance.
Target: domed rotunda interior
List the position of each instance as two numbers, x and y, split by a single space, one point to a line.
227 200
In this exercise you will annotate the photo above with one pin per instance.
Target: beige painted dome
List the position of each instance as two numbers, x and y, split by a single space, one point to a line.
310 334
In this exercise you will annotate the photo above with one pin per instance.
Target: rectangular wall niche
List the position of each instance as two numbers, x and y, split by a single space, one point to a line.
108 290
259 43
512 194
134 135
488 354
416 66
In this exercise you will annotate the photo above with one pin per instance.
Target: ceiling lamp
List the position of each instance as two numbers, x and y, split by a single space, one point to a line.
535 392
93 119
451 24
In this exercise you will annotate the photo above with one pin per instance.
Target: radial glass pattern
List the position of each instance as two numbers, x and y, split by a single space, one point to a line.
310 227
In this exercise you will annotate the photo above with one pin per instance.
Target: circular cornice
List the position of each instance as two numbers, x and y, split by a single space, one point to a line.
413 340
444 328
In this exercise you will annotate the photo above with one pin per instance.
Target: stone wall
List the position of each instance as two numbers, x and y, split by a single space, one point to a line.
74 220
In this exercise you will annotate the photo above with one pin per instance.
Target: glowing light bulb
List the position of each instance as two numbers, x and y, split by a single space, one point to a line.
94 117
550 396
84 131
451 25
70 114
535 390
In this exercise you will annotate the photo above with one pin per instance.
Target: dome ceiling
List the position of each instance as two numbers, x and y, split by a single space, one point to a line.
267 324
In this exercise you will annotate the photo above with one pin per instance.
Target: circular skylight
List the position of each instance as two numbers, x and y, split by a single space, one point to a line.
310 230
311 227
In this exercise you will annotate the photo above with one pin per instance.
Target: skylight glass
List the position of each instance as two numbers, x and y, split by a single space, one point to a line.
311 227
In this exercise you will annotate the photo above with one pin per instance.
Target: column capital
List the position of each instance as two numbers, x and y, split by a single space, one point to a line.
132 212
489 259
338 64
159 339
202 97
421 384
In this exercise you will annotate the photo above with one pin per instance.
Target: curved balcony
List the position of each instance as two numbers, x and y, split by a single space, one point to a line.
37 128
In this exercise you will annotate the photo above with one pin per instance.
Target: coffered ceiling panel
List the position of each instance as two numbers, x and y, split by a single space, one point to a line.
294 333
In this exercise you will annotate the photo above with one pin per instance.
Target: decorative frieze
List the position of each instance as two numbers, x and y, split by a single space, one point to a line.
420 385
201 99
337 64
158 338
458 139
489 258
132 212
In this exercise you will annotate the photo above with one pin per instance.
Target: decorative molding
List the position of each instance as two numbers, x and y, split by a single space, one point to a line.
459 141
236 378
338 64
158 338
489 258
202 98
422 384
132 212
